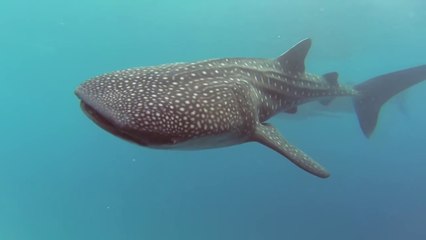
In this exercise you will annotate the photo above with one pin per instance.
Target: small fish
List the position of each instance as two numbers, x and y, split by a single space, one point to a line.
217 103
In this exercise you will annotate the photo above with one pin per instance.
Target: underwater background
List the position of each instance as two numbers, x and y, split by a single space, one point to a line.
62 177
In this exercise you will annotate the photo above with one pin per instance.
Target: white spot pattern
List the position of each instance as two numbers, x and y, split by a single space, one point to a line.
184 101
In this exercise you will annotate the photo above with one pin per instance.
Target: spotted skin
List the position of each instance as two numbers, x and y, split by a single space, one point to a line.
208 104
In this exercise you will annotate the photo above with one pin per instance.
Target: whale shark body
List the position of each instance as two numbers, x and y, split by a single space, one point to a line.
217 103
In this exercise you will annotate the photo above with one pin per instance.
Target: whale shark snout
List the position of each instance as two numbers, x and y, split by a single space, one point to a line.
101 106
144 138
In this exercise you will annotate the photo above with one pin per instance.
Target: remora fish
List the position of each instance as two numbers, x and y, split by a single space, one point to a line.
216 103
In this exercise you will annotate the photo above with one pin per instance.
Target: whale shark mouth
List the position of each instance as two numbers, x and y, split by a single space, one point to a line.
107 124
103 116
144 138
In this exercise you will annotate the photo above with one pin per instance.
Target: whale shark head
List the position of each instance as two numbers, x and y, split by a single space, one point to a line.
164 106
122 104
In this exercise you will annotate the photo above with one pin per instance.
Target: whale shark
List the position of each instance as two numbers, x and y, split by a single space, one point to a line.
219 102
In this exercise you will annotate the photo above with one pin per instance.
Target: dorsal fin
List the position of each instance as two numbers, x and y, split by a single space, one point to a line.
293 60
331 78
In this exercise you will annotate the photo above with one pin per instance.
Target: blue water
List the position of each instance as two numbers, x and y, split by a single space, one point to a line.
62 177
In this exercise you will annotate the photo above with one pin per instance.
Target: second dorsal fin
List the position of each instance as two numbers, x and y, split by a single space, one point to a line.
293 60
331 78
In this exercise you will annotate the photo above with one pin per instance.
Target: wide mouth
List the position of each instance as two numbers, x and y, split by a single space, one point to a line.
144 138
107 124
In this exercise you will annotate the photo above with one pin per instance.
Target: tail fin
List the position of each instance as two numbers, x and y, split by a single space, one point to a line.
378 90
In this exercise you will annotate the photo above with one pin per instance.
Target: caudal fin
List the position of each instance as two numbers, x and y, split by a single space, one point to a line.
378 90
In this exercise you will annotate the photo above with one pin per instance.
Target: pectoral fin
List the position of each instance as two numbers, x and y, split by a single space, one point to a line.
269 136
